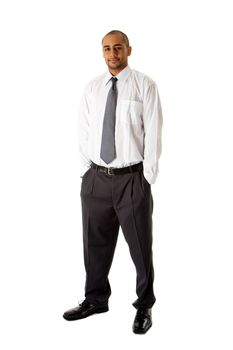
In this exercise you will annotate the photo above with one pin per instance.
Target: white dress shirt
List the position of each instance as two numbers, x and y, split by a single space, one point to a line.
138 122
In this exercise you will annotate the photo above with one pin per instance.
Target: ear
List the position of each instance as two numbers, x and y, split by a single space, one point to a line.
129 50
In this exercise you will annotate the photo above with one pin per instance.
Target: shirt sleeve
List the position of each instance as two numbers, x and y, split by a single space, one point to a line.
83 131
152 121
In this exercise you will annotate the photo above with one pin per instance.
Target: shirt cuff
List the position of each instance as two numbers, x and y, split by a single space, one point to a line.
83 171
150 175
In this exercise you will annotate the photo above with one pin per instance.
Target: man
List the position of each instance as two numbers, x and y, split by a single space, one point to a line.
120 145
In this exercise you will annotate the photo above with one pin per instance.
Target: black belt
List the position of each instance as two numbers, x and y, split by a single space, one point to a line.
118 171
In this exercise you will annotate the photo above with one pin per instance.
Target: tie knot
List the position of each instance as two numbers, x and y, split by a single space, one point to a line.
114 80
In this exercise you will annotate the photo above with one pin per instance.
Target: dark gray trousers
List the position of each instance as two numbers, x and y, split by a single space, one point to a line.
110 201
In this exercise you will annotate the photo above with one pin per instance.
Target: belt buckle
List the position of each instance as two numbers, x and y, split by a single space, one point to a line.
109 171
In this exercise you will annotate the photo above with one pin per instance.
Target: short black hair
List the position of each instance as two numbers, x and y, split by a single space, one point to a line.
126 39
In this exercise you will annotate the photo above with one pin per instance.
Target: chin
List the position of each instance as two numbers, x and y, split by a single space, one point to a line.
114 66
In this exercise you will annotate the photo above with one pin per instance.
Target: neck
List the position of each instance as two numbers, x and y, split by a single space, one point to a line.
116 71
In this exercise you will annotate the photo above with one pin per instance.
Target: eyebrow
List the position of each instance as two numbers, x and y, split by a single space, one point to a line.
113 45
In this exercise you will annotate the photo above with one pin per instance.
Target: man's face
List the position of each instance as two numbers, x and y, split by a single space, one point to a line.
115 52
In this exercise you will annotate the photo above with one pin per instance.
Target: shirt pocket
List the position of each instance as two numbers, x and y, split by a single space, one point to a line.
131 112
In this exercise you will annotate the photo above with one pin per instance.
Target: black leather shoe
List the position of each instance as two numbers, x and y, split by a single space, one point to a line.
85 309
142 321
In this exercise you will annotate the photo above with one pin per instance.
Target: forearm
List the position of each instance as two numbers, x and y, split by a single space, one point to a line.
153 121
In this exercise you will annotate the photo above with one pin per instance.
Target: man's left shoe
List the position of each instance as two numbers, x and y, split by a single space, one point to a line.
142 321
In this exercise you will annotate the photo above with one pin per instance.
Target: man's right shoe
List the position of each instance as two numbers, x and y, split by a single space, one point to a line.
84 310
142 321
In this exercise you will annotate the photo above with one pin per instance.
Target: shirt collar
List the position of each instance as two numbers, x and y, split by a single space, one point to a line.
122 76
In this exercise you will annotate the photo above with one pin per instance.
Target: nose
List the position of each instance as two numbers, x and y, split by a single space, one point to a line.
113 53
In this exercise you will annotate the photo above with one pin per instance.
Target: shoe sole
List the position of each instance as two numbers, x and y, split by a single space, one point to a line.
87 315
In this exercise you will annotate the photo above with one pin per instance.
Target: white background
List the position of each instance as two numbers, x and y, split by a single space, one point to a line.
49 51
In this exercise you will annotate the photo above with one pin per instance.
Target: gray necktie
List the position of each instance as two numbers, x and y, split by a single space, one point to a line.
108 151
